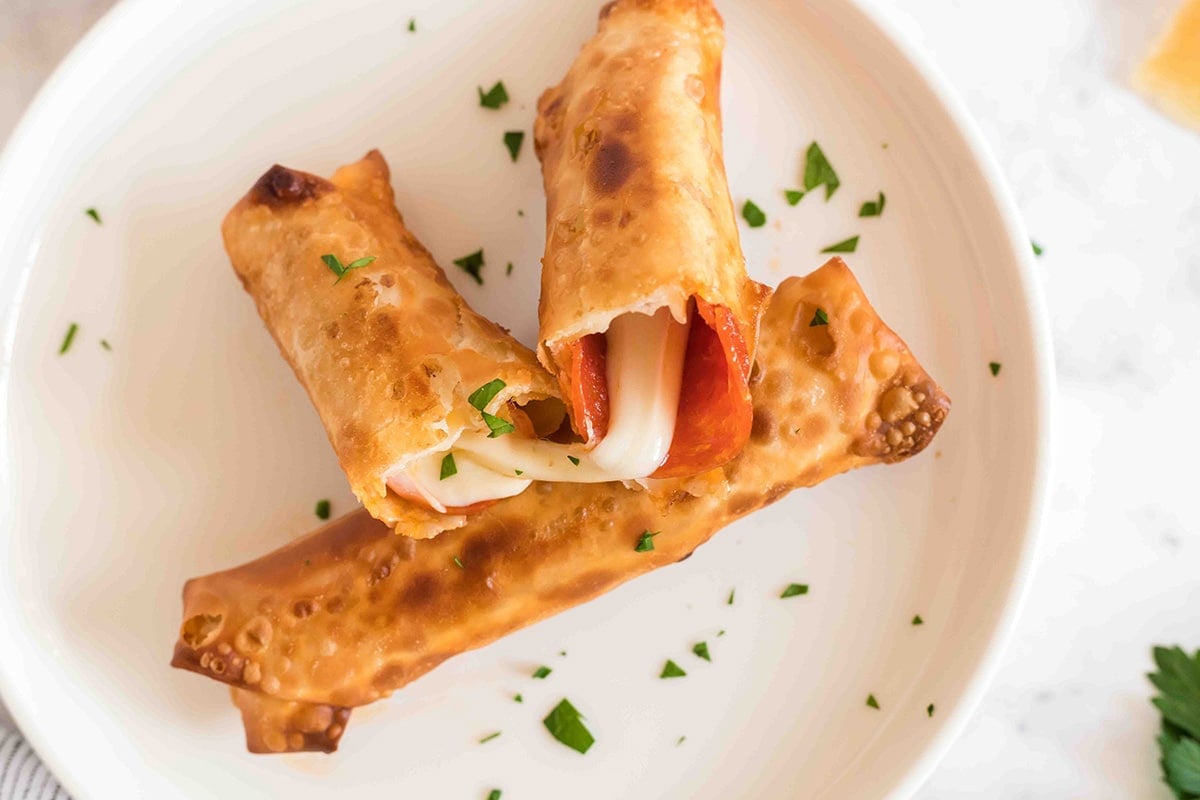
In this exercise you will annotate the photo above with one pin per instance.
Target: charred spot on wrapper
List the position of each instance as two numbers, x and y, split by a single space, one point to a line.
611 166
280 186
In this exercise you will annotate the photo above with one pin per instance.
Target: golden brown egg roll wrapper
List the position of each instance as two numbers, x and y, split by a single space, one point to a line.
638 216
390 353
290 726
349 614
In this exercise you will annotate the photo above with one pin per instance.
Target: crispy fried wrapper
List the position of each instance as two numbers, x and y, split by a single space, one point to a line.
291 726
389 352
639 217
348 614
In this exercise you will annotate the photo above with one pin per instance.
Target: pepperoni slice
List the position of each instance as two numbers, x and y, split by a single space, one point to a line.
587 386
715 407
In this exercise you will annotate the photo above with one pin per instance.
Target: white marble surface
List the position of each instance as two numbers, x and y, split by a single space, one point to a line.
1112 191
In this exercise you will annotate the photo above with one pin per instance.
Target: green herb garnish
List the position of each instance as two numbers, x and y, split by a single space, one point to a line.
917 620
541 672
104 343
680 740
873 208
701 649
472 265
929 709
994 366
412 24
671 670
565 724
720 633
323 509
458 562
1037 248
308 562
520 212
494 97
573 460
489 737
518 698
819 318
336 267
753 215
497 425
872 702
1178 700
94 214
494 794
645 542
846 246
480 398
793 196
449 468
794 589
729 602
70 337
519 472
508 269
819 172
513 140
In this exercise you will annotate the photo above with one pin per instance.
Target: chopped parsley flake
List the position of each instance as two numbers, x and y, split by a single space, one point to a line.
494 97
819 318
872 702
489 737
518 698
645 542
794 589
513 141
449 468
472 265
873 208
104 343
917 620
323 509
337 268
929 709
308 562
541 672
793 196
721 632
671 670
680 740
480 398
701 649
994 366
1037 248
753 215
497 425
95 215
519 472
729 602
573 460
412 24
520 212
458 562
565 724
508 270
819 172
70 337
494 794
845 246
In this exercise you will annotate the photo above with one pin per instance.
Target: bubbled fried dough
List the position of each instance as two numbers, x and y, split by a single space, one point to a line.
349 613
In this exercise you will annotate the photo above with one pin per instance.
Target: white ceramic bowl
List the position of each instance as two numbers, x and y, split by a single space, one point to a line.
189 447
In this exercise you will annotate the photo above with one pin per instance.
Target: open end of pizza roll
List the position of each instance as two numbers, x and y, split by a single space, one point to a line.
648 318
348 614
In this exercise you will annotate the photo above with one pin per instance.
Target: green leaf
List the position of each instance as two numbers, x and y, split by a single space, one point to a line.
70 337
337 268
497 425
494 97
794 589
680 740
793 196
701 649
645 542
494 794
873 209
872 702
729 602
1037 248
360 263
449 468
541 672
323 509
513 140
573 460
994 366
472 264
1181 765
671 670
508 269
104 343
489 737
480 398
819 318
929 709
845 246
753 215
565 724
412 28
95 215
518 698
458 562
917 620
819 172
1178 681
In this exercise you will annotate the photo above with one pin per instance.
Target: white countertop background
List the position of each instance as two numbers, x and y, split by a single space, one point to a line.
1111 190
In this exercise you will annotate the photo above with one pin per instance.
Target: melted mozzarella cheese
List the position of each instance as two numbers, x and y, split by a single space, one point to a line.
472 483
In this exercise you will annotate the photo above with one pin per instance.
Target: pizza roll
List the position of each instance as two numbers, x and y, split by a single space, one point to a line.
647 316
349 614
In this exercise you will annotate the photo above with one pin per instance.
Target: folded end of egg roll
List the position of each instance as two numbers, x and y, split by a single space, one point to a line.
289 726
388 351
